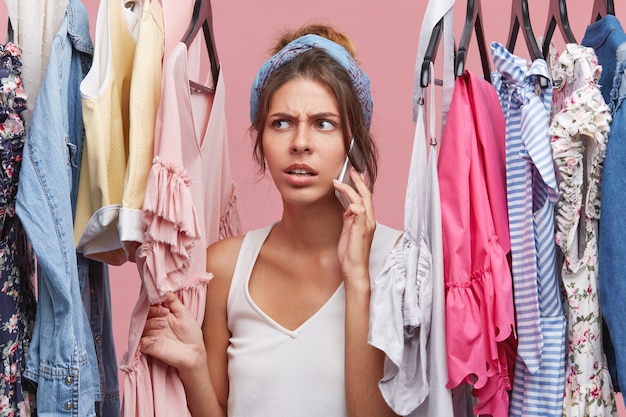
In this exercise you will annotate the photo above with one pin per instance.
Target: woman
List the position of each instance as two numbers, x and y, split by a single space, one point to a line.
286 322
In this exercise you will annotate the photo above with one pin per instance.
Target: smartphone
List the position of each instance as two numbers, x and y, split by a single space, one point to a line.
344 174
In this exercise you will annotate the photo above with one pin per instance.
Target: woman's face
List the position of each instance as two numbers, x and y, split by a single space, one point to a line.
303 141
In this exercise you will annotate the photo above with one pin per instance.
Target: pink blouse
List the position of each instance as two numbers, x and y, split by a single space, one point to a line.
479 299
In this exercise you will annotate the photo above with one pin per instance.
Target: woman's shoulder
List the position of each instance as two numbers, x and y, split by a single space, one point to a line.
222 255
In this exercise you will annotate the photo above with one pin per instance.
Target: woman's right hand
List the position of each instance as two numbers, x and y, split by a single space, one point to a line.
173 335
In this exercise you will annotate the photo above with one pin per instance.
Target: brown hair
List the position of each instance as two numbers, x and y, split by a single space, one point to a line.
318 66
319 29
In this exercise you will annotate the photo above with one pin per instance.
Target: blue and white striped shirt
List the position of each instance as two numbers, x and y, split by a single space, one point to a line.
532 192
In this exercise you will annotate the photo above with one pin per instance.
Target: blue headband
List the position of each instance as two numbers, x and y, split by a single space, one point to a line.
303 44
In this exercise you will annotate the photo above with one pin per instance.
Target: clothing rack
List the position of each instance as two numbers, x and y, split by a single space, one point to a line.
557 17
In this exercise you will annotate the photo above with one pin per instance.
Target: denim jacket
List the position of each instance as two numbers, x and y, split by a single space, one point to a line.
608 39
62 362
605 36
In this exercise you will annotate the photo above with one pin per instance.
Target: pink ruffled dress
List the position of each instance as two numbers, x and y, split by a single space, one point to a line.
190 203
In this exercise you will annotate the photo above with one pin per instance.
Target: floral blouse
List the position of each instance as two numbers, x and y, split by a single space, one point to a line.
17 300
579 132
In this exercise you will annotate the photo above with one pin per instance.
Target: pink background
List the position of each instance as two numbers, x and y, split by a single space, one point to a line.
385 33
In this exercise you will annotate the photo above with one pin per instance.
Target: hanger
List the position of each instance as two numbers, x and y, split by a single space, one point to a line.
521 16
10 32
202 17
557 16
473 20
602 8
431 52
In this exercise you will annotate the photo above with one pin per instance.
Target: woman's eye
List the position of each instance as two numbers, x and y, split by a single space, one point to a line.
280 124
325 125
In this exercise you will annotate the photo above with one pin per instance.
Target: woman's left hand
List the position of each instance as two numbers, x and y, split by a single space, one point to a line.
357 233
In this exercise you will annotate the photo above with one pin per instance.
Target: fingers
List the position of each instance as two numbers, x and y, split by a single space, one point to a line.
157 310
157 316
154 324
360 197
173 303
363 191
354 195
151 332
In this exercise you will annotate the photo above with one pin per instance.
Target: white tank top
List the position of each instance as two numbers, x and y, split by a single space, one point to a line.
276 372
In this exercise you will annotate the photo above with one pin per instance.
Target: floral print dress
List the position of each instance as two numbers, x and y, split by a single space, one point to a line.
579 132
17 299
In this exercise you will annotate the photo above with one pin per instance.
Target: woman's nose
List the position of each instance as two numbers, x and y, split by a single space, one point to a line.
301 141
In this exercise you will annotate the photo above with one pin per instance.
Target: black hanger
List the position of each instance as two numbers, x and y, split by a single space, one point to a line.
10 32
431 52
601 8
521 16
202 17
473 21
557 16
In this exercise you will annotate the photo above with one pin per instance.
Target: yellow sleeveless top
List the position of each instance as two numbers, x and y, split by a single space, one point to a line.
118 140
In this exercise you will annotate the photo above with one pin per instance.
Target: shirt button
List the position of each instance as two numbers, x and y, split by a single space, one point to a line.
68 405
92 290
69 379
98 339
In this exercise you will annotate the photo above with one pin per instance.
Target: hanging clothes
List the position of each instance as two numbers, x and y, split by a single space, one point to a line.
578 132
62 360
479 308
93 276
407 299
17 269
35 23
105 100
96 295
190 203
531 194
144 99
605 36
608 40
407 314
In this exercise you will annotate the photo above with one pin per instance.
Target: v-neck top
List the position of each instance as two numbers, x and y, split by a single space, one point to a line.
280 372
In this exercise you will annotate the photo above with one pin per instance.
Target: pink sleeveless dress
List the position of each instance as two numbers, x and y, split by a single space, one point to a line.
190 203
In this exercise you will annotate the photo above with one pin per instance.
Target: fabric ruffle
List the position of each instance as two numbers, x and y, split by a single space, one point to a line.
230 223
479 303
401 300
140 371
584 124
171 230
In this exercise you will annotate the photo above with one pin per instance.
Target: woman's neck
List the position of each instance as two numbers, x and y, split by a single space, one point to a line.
310 226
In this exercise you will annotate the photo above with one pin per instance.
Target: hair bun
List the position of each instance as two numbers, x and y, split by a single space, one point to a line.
320 29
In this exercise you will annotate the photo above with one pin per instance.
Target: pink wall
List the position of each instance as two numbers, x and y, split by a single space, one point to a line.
386 36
